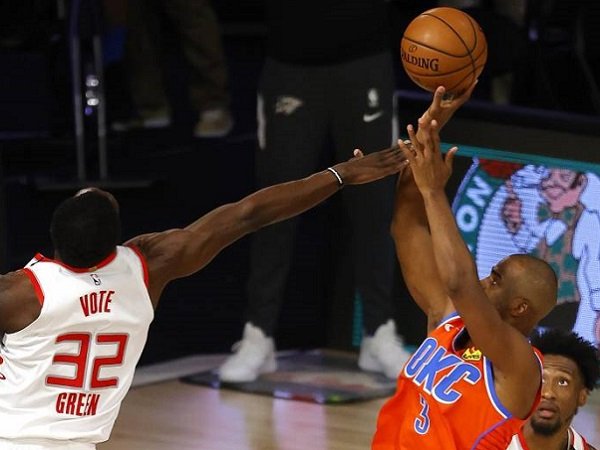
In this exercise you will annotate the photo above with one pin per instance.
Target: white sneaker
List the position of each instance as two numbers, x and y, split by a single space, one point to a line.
254 354
157 119
214 123
383 352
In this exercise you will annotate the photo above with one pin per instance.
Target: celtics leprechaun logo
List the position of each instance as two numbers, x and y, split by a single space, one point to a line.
503 208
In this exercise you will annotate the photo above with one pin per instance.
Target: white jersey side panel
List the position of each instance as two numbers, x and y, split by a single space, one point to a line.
576 441
64 376
514 443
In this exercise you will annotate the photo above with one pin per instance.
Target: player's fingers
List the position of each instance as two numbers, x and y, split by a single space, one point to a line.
449 160
425 143
407 151
358 153
415 144
397 154
438 95
435 136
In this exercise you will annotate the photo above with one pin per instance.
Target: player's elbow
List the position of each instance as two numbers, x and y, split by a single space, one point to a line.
454 279
249 216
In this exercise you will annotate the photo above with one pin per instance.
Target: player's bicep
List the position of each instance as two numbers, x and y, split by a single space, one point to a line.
414 251
516 367
518 373
510 351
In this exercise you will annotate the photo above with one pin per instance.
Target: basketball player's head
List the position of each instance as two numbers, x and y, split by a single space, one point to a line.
523 289
571 371
85 228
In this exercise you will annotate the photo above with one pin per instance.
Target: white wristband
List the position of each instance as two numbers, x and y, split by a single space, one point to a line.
337 175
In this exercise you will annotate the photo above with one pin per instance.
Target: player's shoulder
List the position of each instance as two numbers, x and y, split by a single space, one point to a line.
162 250
152 244
19 301
18 287
13 282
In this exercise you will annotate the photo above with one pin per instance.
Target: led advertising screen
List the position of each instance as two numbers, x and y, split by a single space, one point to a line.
517 203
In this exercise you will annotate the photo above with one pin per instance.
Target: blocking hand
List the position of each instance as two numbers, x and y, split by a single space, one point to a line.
443 107
362 169
430 169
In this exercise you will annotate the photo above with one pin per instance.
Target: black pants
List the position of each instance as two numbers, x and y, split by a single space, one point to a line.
198 29
302 110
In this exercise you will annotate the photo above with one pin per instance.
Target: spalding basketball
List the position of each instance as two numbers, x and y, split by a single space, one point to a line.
443 47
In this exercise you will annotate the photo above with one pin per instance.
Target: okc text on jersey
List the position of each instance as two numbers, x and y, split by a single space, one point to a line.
437 371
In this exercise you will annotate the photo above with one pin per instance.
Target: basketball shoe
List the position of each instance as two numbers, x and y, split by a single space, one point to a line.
253 355
383 352
160 118
214 123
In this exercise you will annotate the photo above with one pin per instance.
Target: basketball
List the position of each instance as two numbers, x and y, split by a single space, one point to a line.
443 47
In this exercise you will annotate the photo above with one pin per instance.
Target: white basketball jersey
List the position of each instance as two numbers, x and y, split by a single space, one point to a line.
64 376
576 441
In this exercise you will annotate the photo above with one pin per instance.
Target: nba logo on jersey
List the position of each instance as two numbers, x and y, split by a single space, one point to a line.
96 279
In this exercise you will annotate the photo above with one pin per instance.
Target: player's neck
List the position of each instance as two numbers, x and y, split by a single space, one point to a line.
463 340
536 441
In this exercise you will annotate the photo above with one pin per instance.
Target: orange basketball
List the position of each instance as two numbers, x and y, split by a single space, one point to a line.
443 47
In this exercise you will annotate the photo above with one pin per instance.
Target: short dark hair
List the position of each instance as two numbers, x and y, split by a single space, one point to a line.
568 344
85 229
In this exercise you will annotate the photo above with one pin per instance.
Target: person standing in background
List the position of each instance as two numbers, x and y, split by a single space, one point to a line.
197 27
327 83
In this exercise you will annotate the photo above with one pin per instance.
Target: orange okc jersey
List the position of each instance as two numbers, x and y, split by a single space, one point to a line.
445 399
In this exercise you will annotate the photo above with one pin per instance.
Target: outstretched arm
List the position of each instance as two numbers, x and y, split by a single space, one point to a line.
410 229
180 252
516 367
412 239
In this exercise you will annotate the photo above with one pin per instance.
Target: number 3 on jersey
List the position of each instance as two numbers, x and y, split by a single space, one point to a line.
422 420
80 360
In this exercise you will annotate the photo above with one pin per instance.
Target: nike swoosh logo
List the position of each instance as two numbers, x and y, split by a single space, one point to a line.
371 117
448 327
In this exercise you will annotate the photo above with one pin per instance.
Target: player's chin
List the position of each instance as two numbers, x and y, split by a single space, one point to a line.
546 424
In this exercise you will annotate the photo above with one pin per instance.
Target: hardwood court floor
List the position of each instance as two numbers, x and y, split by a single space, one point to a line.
171 415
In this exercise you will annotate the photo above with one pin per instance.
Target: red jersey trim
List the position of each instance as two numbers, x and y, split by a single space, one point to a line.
101 264
522 440
36 285
137 251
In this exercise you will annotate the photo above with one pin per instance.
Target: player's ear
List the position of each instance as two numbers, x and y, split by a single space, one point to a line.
582 397
520 306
